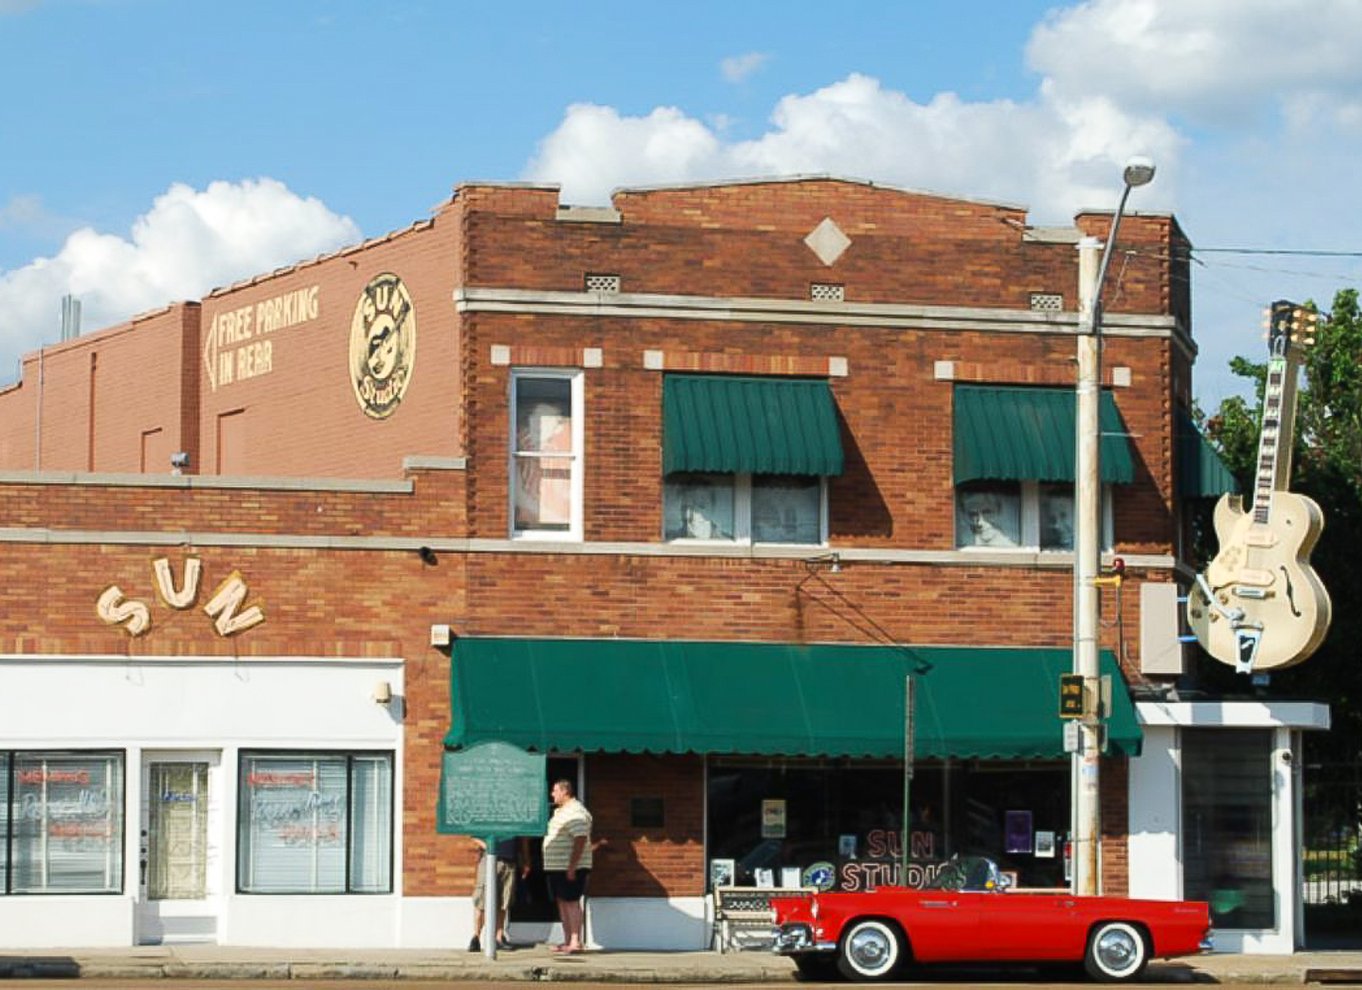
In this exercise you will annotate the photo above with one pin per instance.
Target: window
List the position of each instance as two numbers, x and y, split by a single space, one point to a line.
315 823
1021 514
62 822
1227 833
762 508
546 461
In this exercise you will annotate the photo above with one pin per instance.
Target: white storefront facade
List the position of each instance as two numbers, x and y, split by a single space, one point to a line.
196 799
1215 812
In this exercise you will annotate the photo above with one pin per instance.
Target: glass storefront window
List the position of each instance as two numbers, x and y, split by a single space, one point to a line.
778 820
1227 825
64 819
315 824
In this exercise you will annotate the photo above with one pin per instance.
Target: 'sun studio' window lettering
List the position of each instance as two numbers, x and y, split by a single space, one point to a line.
62 823
315 824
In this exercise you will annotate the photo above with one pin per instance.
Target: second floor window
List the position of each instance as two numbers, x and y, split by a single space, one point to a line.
1027 514
758 508
546 454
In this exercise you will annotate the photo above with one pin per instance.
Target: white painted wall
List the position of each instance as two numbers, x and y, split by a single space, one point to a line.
223 705
1154 816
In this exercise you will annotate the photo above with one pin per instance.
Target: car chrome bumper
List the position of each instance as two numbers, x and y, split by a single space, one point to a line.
797 938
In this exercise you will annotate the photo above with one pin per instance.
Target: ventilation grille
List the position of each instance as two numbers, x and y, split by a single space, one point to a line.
1047 302
608 284
827 292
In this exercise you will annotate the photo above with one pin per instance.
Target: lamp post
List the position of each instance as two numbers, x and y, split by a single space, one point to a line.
1088 535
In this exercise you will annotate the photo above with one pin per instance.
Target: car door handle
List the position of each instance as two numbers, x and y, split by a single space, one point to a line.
938 904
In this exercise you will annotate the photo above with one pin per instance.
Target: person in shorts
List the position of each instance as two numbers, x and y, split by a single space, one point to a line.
508 856
567 861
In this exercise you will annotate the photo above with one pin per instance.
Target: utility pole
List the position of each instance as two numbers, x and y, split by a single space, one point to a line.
1092 274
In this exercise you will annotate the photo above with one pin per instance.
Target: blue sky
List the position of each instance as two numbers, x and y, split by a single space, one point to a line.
151 150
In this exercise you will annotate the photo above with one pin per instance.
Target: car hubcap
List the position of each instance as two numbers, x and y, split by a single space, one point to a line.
869 949
1116 950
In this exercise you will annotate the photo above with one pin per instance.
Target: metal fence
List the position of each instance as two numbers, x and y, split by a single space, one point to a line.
1333 834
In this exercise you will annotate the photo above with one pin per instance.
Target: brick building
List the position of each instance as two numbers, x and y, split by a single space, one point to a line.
695 482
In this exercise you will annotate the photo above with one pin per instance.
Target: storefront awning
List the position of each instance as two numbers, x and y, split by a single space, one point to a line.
734 425
766 699
1027 434
1201 472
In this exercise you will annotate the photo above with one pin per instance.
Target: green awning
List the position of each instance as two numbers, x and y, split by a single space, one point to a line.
766 699
734 425
1027 434
1201 472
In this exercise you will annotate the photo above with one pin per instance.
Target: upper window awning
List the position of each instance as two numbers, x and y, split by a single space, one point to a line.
1006 433
1201 472
734 425
766 699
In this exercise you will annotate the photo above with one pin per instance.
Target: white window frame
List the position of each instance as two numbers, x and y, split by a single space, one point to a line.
1030 523
742 515
577 456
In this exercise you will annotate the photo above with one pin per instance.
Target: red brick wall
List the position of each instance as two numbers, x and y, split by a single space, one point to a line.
101 394
746 240
301 415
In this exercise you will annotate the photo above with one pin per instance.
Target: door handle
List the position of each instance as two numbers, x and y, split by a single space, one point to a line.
938 904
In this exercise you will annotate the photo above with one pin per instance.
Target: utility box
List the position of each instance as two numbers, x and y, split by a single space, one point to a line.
1161 651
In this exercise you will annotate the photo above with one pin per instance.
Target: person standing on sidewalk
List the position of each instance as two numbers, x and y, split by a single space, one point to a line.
509 857
567 861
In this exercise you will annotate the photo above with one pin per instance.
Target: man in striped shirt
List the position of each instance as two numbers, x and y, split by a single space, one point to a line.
567 860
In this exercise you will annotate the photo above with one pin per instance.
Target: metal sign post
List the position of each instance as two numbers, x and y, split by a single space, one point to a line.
905 830
495 791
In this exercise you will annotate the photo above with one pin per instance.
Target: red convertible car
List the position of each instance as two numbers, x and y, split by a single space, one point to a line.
967 915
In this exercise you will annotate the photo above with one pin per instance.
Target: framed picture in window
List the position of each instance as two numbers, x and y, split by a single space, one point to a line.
721 873
988 516
1045 844
1017 831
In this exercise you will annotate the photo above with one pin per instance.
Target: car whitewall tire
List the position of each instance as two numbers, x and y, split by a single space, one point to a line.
1117 950
870 950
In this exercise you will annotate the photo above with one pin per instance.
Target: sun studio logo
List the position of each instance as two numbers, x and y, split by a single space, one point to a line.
382 345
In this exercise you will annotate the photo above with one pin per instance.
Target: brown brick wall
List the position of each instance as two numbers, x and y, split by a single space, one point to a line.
301 416
106 398
303 419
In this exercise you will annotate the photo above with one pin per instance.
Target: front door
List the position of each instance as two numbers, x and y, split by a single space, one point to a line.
180 854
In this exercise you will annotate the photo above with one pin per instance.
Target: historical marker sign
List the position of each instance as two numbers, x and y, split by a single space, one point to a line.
492 790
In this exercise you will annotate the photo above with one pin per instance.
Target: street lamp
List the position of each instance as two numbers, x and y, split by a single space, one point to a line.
1088 534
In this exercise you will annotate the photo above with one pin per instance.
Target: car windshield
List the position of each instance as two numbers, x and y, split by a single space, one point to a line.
965 873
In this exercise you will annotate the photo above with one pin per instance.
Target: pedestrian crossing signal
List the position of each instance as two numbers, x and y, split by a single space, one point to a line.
1070 695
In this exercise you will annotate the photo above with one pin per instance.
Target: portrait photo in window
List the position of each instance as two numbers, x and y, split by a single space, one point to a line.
1056 517
786 509
988 516
698 507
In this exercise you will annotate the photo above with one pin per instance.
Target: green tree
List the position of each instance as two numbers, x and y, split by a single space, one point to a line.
1327 466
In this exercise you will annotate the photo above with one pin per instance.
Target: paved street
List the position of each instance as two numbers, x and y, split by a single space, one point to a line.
206 966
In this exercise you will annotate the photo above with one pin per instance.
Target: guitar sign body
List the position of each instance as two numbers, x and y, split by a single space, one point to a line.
1259 605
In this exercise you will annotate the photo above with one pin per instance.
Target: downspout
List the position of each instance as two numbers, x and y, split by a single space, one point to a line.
38 419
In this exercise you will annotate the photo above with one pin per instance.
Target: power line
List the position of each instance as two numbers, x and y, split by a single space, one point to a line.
1307 252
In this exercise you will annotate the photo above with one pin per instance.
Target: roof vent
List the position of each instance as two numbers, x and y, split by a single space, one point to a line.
70 317
1047 302
606 284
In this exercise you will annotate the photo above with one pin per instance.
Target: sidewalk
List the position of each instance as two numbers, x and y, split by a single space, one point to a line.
538 964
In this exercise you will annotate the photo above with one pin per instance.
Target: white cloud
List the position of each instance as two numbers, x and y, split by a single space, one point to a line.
737 68
1212 62
1057 155
187 243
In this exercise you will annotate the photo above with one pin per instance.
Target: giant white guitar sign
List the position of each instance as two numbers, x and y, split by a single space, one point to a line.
1259 605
